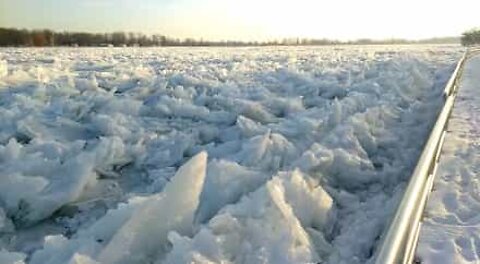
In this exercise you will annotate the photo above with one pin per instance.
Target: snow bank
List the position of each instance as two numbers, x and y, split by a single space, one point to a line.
450 229
103 152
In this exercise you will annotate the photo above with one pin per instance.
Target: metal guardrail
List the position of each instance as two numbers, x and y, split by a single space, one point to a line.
451 87
400 240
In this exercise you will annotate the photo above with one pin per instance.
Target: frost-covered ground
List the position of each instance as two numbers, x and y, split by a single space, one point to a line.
248 155
451 228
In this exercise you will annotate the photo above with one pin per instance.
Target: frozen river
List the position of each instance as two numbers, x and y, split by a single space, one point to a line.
210 155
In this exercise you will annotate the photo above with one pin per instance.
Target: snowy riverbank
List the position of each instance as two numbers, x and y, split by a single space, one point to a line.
450 229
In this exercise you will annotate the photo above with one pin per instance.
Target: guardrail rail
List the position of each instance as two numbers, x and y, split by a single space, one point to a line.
399 242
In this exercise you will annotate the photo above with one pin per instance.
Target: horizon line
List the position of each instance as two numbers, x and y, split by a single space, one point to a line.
266 40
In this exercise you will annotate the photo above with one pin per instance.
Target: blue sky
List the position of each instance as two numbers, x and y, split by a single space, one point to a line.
248 19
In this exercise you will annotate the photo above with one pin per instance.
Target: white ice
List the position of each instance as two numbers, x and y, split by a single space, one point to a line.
103 151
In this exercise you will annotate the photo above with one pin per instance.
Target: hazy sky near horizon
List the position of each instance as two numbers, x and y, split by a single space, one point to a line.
249 19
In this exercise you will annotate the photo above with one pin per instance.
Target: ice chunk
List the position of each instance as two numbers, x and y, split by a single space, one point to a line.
224 150
90 83
168 150
57 249
270 151
352 171
12 189
310 203
82 259
255 111
249 127
226 182
336 115
277 193
64 187
110 152
261 228
204 248
284 107
317 158
33 198
143 237
12 257
6 224
3 68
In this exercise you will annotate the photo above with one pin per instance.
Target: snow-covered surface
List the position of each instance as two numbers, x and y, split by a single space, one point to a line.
451 229
103 152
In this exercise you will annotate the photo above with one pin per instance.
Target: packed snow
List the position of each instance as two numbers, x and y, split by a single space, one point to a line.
210 155
450 231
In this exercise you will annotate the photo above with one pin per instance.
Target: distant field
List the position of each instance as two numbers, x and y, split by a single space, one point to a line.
308 150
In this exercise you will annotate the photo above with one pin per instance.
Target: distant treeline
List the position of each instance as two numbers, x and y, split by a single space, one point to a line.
471 37
44 38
